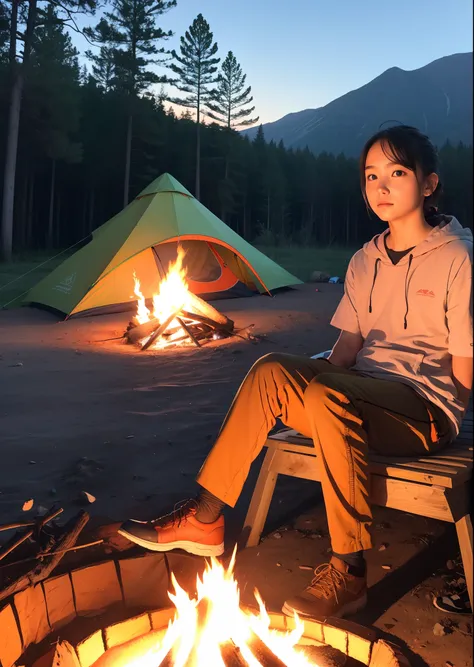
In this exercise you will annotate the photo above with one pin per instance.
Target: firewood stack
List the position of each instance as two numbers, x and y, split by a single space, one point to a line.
203 323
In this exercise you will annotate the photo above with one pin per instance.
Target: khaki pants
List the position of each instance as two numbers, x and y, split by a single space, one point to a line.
346 415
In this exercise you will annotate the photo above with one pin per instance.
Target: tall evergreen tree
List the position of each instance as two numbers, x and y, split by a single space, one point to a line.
130 29
103 66
259 141
230 95
18 64
228 106
195 68
52 93
4 32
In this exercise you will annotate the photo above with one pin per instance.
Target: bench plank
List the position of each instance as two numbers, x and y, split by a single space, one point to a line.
305 467
450 468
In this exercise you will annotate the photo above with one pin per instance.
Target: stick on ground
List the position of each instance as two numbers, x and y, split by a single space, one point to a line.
36 526
43 569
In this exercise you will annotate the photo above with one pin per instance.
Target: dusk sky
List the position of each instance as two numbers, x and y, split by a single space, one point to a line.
305 53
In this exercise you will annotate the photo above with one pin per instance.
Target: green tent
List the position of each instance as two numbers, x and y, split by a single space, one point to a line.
142 240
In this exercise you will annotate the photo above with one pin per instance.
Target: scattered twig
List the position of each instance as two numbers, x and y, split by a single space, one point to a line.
106 340
47 554
19 524
68 539
36 526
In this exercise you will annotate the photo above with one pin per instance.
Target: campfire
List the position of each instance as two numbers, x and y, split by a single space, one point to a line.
212 630
42 616
177 316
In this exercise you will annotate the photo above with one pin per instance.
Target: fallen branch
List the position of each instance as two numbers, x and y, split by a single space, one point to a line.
46 554
70 534
36 527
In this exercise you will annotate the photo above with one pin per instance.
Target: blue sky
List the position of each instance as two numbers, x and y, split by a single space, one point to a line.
305 53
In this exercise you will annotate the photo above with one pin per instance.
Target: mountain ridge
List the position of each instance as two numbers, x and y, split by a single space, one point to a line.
436 98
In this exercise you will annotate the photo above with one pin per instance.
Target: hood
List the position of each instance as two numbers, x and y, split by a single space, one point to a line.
447 229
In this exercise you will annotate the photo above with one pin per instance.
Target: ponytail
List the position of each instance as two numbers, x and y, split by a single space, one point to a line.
430 205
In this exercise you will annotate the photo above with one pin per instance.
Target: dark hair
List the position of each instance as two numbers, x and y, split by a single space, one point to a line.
413 150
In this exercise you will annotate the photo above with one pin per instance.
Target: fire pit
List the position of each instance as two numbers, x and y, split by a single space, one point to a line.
209 629
177 317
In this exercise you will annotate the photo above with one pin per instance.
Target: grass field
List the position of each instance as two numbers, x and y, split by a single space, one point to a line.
17 277
20 275
302 261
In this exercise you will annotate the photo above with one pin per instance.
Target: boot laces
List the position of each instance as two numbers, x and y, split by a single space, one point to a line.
327 581
179 513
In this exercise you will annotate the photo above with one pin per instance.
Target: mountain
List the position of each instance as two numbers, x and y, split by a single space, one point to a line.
437 99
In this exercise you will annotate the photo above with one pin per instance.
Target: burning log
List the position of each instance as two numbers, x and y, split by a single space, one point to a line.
189 332
213 324
262 652
195 326
136 333
202 312
231 655
201 307
161 329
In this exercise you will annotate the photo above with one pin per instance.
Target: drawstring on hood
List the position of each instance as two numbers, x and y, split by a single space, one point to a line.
407 305
405 319
377 261
446 230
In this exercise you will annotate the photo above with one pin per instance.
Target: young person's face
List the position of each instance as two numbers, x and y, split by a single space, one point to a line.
393 191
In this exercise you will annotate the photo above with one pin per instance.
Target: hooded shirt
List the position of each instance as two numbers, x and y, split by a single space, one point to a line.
413 316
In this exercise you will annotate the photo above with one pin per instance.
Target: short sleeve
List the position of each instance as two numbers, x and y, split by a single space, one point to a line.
345 318
459 311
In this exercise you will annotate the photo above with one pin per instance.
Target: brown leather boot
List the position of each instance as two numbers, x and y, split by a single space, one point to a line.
334 591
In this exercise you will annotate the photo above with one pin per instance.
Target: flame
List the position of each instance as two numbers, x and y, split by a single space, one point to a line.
143 314
173 292
173 295
203 624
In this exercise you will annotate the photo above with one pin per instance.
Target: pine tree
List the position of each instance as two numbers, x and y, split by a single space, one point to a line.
230 95
103 66
195 68
259 140
52 100
4 32
18 64
228 106
131 33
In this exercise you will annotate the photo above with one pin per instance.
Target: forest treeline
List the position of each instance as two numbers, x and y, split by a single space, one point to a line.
90 138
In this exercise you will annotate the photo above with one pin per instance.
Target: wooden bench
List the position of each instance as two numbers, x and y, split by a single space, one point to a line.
437 486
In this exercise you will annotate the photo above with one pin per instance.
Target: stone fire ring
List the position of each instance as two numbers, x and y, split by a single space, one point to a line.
70 620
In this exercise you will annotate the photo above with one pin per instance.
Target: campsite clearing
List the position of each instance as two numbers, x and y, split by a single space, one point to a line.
132 429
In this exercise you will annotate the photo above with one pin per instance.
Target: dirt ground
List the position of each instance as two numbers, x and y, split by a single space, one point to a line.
82 413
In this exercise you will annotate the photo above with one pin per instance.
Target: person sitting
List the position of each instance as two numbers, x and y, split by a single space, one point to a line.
397 381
